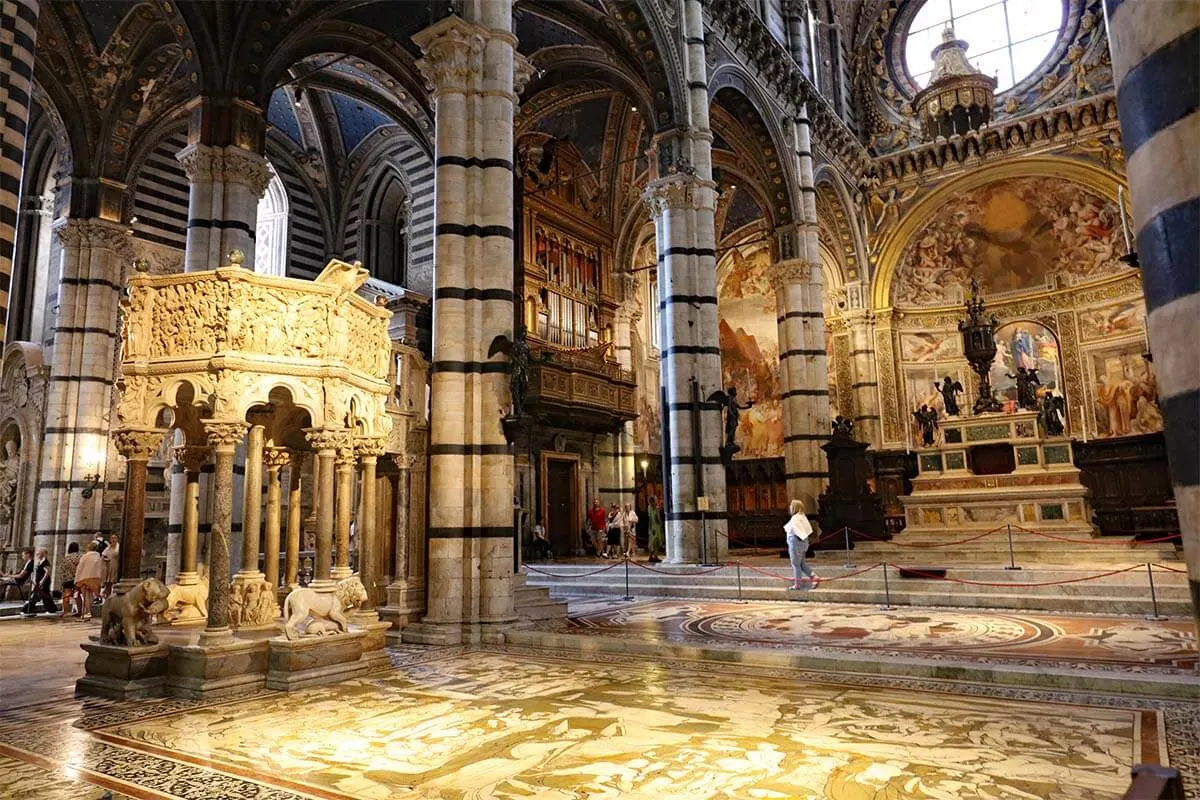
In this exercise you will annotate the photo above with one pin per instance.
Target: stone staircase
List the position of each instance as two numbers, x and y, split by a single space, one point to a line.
991 586
1028 549
534 603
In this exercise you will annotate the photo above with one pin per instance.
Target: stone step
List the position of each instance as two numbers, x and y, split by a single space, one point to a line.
546 609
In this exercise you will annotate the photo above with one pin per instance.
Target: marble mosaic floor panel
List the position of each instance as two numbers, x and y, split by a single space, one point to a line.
1019 636
495 725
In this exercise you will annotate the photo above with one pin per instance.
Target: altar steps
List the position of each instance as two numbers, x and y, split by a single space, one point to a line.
1125 593
1027 550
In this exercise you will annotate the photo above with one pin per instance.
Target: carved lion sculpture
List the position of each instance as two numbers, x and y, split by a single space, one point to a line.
304 603
125 618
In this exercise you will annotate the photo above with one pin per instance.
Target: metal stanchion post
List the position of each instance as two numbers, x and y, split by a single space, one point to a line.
846 533
628 596
739 579
1155 617
1012 561
887 591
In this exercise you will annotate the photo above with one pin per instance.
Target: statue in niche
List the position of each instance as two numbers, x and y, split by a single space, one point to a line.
9 467
950 389
1052 414
927 421
733 414
517 350
1027 385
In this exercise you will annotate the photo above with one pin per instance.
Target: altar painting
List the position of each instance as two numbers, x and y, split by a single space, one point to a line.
1124 391
750 349
1113 320
1013 236
1026 345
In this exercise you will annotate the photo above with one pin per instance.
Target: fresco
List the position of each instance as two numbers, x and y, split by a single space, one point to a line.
750 348
1028 345
1012 235
936 346
1112 320
1124 391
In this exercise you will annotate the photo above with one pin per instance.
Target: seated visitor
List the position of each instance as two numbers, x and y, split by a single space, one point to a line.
20 577
541 541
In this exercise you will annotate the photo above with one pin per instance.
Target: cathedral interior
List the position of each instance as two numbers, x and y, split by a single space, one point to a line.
600 399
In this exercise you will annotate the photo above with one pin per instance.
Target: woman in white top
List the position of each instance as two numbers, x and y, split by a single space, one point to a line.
798 530
630 531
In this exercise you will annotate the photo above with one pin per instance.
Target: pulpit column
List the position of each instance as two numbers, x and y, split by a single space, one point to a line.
295 517
192 458
136 445
370 566
326 443
223 437
252 504
274 459
344 466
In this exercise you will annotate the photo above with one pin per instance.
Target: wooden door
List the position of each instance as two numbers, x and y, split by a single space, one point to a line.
563 523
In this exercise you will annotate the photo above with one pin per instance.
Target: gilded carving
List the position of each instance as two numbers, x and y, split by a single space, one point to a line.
886 362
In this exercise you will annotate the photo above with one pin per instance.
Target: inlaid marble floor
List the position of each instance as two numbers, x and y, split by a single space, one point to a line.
1132 642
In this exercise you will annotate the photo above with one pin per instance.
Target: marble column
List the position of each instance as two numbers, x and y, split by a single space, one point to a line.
861 324
804 382
223 437
136 446
226 179
252 505
475 73
1155 49
192 457
18 40
344 466
370 564
274 459
626 319
326 443
295 516
94 255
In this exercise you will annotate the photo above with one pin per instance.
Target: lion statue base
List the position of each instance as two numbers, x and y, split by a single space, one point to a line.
326 609
125 618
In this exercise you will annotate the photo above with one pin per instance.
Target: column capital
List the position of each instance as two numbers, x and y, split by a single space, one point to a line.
794 271
230 164
97 233
138 444
679 191
325 440
192 456
523 71
224 435
276 457
369 446
345 454
452 58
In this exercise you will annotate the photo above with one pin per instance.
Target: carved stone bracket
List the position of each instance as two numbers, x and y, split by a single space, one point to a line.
138 444
523 71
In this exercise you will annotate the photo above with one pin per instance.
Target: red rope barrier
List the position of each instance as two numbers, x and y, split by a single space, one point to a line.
1013 585
1169 569
1130 543
753 568
681 574
578 575
923 546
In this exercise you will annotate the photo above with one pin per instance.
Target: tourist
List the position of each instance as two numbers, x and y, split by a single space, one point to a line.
654 543
112 564
41 586
630 519
100 542
88 577
799 530
67 568
613 529
541 541
597 520
18 578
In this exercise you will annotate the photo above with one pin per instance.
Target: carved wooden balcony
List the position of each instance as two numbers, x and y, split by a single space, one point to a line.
235 337
580 389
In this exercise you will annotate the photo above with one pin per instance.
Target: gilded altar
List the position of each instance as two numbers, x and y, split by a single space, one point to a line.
993 469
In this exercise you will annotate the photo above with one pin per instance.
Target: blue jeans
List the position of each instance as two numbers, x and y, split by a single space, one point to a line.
797 549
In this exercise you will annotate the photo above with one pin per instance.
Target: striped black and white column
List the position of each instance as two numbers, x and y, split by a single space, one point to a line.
682 202
18 39
476 74
224 187
95 253
861 324
803 367
1156 69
